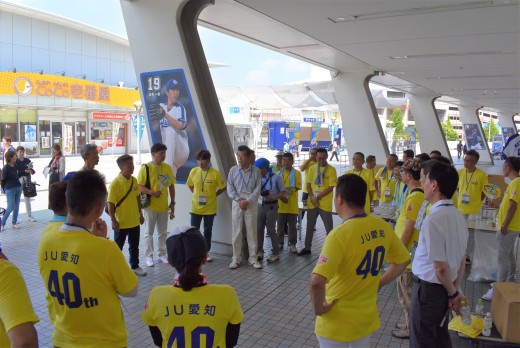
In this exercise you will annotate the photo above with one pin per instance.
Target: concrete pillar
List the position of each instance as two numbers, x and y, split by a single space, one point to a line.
431 136
361 126
469 115
163 36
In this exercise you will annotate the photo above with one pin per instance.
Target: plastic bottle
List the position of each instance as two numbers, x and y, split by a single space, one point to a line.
487 325
479 308
465 313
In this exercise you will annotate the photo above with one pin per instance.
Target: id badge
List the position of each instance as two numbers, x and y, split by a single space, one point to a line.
202 199
387 192
163 181
465 198
317 193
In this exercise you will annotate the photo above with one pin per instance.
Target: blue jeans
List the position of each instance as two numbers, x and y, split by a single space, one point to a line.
13 203
196 219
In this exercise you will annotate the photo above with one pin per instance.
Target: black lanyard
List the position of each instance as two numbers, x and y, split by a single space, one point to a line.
355 216
79 226
203 180
250 175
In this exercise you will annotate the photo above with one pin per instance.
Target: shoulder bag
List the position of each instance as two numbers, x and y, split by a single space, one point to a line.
144 198
122 199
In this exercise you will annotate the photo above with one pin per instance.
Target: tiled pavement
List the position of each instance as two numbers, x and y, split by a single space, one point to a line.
275 299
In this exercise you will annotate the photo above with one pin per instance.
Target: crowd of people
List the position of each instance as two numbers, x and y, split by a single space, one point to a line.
84 272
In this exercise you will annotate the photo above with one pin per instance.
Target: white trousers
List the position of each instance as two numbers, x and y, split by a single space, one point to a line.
178 149
360 343
153 218
244 218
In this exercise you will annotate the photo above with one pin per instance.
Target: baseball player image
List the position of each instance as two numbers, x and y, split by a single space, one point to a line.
173 125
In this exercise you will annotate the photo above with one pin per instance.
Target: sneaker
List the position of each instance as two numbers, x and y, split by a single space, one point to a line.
149 262
488 296
234 265
293 249
16 226
304 252
401 333
209 259
259 256
31 219
273 258
163 259
256 265
139 271
401 325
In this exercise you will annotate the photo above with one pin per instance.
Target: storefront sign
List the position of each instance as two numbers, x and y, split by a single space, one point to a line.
111 116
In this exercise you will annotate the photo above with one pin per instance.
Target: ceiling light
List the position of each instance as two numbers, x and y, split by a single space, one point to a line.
460 54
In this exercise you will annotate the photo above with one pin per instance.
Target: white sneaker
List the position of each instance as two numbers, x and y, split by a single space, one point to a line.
488 296
31 219
163 259
293 249
272 259
256 264
16 227
149 262
234 265
139 271
209 259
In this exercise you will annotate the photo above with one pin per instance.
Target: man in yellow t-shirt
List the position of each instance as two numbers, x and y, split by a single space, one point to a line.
385 182
162 182
288 210
347 276
320 180
357 161
17 317
370 164
124 209
207 184
311 161
471 185
404 229
84 272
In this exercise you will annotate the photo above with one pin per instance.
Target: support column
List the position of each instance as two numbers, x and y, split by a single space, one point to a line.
431 136
361 125
469 118
163 36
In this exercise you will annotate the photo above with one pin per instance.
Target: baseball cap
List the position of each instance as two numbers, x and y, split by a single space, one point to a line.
185 243
172 84
262 163
279 154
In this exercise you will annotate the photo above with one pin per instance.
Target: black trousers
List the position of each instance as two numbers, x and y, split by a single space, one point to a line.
134 235
428 308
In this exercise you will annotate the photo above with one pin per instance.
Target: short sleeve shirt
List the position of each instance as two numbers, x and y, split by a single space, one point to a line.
512 194
161 178
365 175
329 180
471 184
291 207
386 181
205 185
127 214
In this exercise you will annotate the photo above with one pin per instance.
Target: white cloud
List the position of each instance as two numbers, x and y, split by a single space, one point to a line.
270 63
295 65
258 77
319 74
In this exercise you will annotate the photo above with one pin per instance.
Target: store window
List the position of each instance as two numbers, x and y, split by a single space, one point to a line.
28 131
101 134
45 137
9 124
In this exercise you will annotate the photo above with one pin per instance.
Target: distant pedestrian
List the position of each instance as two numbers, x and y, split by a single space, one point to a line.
459 149
25 169
56 168
12 188
6 146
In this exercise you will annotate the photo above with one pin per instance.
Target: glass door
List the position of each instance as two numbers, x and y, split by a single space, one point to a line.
44 128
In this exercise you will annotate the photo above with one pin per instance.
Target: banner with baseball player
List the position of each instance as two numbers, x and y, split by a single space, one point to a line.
172 119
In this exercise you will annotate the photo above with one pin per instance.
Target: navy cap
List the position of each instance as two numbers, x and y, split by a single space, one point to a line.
186 245
172 84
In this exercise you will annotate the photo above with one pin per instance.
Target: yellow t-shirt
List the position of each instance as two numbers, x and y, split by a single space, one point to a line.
386 184
471 184
83 275
411 206
127 214
212 183
351 261
512 193
290 207
15 304
329 180
203 312
304 189
161 178
365 175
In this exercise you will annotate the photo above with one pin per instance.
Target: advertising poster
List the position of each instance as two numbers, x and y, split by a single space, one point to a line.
315 130
68 140
293 136
172 119
507 132
474 139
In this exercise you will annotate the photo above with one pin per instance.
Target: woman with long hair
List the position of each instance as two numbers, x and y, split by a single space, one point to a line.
56 167
12 188
191 312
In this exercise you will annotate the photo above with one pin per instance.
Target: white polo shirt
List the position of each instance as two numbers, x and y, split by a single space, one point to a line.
443 237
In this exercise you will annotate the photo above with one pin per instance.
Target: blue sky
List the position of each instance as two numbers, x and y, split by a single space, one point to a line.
261 68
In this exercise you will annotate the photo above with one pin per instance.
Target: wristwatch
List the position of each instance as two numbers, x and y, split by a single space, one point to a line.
454 295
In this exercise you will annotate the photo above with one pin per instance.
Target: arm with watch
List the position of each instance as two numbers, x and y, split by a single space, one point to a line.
442 271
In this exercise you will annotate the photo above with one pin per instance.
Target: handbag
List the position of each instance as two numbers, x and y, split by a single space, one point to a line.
144 199
121 200
29 188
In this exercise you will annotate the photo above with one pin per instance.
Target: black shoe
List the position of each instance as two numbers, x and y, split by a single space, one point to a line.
304 252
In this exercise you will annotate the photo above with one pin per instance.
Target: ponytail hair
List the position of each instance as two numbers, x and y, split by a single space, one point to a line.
513 163
189 275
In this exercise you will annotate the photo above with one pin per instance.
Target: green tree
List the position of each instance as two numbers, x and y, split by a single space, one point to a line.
490 133
449 132
396 121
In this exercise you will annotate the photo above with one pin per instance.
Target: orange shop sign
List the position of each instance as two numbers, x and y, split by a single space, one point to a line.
111 116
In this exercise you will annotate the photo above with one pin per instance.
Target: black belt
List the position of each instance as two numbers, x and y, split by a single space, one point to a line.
420 281
269 202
